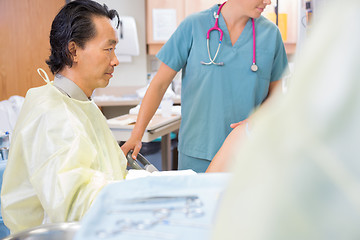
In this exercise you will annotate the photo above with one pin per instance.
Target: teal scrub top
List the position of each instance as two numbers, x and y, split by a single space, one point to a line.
213 97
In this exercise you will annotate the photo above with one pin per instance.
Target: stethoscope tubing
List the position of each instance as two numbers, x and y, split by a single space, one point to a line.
216 27
254 41
212 61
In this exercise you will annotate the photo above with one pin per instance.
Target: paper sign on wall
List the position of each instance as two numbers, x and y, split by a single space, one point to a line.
164 23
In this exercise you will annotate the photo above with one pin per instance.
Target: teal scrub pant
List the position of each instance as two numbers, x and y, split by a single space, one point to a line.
199 165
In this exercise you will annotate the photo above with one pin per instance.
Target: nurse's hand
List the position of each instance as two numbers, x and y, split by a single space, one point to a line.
234 125
132 144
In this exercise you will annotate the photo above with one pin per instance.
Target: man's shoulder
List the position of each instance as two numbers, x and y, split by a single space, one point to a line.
40 101
43 94
37 93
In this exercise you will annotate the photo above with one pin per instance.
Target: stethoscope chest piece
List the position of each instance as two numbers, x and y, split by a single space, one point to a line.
254 67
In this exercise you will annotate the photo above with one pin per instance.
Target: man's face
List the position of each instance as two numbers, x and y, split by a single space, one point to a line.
96 61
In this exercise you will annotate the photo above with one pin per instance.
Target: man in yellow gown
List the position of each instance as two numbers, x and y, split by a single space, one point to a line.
62 152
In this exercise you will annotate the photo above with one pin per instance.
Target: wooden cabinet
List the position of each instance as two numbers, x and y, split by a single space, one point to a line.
153 44
192 6
24 43
181 8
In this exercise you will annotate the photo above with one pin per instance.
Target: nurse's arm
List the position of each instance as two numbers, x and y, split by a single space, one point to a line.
149 104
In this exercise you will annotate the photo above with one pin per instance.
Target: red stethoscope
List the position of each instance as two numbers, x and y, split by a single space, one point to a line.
253 67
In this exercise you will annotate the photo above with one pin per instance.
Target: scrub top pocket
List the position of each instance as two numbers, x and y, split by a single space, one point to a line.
264 60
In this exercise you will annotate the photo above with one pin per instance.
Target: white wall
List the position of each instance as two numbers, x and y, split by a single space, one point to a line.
134 73
290 7
303 31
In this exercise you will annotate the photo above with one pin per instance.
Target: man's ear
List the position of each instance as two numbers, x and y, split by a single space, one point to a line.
72 49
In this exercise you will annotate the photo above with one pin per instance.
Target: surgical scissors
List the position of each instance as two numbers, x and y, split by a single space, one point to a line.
191 209
161 199
188 211
161 214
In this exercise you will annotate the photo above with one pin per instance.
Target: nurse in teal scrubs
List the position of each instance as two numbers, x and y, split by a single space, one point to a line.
214 96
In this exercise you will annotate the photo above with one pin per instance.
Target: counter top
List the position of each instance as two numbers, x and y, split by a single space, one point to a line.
120 96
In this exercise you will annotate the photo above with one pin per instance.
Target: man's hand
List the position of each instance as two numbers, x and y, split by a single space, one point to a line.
132 144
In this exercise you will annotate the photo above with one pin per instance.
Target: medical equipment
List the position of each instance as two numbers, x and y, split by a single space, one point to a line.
4 145
4 139
4 152
142 227
216 27
161 209
190 211
134 163
192 205
55 231
189 199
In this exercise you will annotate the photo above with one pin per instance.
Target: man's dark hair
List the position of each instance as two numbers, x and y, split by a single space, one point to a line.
74 23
